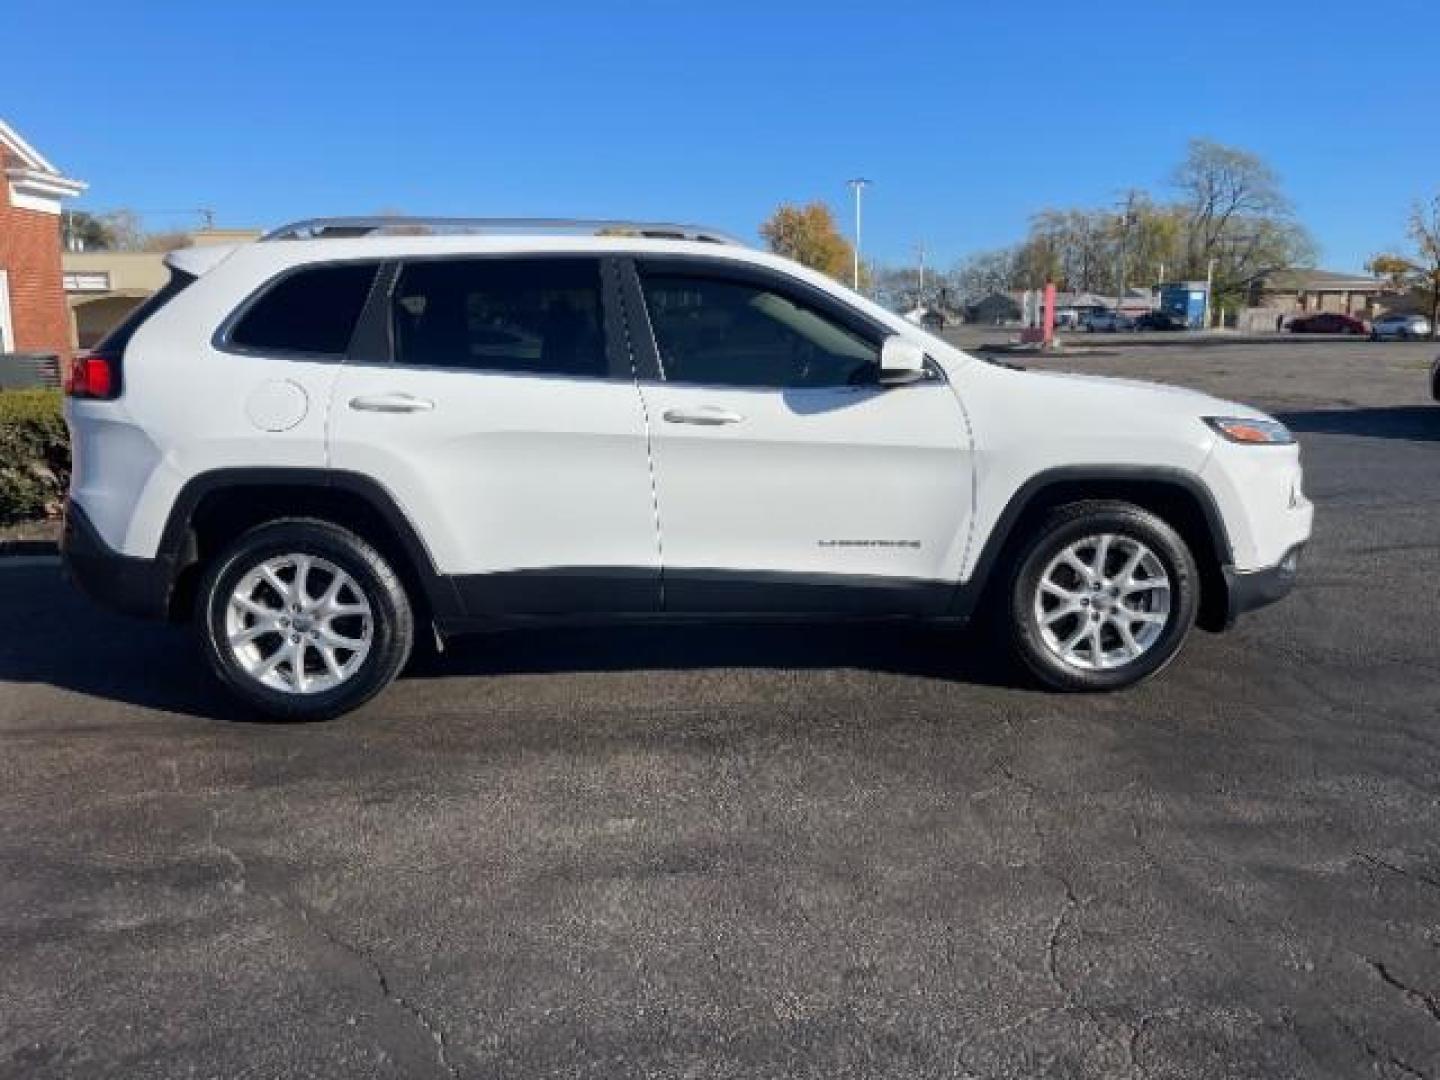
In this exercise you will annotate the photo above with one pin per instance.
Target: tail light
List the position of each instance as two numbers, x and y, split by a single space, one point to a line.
90 376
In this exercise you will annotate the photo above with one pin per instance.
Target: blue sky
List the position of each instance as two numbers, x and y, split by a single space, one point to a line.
968 116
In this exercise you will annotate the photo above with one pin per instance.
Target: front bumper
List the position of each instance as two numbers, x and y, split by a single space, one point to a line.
1248 590
123 583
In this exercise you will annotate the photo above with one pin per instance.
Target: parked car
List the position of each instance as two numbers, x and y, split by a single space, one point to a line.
588 420
1108 322
1400 327
1327 322
1435 379
1160 320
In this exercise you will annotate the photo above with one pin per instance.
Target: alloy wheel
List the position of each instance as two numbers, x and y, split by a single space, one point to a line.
299 624
1103 602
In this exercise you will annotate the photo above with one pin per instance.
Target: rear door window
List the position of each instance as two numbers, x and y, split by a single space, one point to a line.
524 316
312 310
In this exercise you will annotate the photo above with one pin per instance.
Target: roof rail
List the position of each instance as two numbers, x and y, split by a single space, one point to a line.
333 228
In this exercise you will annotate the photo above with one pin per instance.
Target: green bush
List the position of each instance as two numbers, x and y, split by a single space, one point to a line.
34 455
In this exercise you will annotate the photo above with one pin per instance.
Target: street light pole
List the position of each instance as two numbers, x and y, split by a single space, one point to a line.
857 185
1126 218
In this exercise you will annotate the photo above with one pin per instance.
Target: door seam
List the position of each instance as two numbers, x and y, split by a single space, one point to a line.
649 443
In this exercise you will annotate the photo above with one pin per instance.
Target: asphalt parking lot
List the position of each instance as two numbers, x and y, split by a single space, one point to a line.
718 852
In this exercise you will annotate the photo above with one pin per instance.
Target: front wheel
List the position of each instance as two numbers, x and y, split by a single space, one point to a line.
304 620
1103 597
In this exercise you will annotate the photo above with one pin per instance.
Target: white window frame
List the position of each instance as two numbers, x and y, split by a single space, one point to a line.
7 321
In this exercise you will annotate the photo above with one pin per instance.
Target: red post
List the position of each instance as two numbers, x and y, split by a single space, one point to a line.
1049 316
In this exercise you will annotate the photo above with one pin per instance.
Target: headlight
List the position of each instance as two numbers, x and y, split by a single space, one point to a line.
1242 429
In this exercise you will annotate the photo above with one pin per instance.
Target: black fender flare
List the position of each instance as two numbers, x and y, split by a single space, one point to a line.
970 592
177 540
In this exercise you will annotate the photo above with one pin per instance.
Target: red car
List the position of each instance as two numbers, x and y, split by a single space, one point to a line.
1327 322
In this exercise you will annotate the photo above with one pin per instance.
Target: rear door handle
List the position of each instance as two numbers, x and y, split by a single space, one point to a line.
705 416
391 403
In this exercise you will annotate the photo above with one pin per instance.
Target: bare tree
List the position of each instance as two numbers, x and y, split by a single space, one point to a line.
1231 215
977 276
1236 217
1425 234
114 230
1418 272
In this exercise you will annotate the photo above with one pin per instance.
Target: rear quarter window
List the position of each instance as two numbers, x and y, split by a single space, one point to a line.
112 345
311 310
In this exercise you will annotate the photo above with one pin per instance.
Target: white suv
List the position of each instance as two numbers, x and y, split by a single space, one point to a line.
324 444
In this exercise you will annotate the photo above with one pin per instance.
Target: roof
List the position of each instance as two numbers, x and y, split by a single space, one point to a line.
1301 280
1083 299
35 184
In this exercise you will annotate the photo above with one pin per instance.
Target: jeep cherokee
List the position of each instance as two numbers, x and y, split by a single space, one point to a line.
357 431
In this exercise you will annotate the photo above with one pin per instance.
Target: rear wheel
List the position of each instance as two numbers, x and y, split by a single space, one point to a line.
1103 597
304 620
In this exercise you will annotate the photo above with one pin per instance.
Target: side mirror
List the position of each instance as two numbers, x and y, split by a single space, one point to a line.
901 361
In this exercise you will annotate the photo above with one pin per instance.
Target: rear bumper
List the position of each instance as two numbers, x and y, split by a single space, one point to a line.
123 583
1248 590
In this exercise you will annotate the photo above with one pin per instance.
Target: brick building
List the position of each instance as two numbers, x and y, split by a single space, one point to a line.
33 313
1308 291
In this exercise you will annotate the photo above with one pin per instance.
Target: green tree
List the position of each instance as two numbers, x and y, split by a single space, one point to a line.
114 230
808 234
117 230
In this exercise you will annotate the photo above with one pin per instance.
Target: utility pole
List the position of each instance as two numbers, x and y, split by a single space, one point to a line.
920 259
1209 287
1127 217
857 185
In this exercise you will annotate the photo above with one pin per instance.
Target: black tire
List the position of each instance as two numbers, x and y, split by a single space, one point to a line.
392 622
1064 526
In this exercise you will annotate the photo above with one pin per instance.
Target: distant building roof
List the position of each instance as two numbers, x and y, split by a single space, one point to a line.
1319 281
1083 300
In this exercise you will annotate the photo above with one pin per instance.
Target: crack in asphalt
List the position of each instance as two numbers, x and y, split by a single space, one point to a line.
1386 1055
1070 903
1425 1000
382 981
300 912
1052 946
1414 875
1070 1003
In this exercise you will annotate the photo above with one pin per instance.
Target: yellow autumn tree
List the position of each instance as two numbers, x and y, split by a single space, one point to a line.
808 234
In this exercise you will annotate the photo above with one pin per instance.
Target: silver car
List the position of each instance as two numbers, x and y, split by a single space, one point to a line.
1106 322
1400 327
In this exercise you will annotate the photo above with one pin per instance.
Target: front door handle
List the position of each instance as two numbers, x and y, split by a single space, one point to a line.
706 416
391 403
